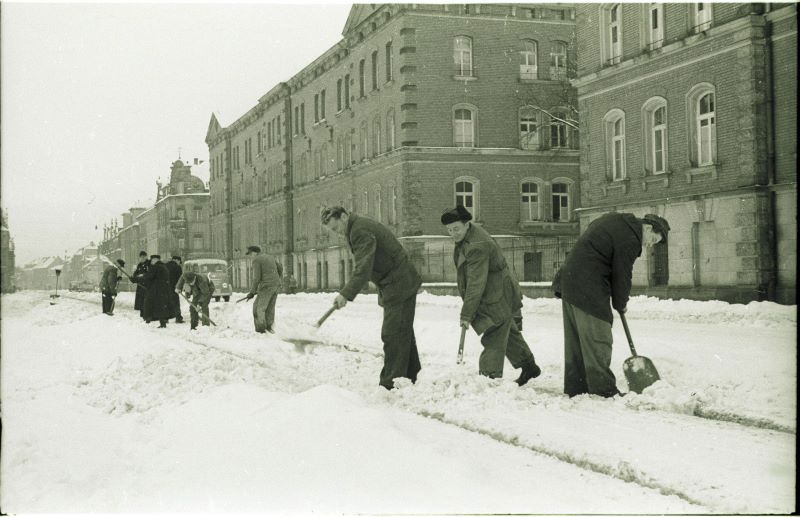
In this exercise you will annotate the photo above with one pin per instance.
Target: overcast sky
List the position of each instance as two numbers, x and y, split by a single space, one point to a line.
98 97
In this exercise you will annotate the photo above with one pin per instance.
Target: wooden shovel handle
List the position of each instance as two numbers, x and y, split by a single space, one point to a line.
325 316
460 358
627 332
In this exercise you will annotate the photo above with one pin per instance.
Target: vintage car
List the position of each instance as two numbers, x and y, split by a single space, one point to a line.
217 271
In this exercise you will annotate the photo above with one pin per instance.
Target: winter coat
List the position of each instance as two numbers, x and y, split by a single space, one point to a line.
157 297
175 272
141 289
600 265
265 275
202 289
108 282
379 257
489 289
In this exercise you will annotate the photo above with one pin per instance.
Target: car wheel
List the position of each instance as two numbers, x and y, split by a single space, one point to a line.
216 298
227 298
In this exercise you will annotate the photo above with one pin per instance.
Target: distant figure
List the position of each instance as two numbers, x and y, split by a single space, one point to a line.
492 297
157 299
138 279
175 272
108 286
380 257
598 270
201 289
266 283
290 284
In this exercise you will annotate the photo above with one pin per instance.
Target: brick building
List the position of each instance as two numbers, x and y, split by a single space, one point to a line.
418 107
689 111
7 269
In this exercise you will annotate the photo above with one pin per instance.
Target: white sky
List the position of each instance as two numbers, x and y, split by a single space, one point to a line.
98 97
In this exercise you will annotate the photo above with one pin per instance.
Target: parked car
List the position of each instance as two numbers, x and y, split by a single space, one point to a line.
217 271
82 286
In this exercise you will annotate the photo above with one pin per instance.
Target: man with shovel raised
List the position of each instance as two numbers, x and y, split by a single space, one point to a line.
492 298
598 270
380 257
108 286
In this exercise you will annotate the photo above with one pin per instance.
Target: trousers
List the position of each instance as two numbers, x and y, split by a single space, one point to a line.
400 354
587 354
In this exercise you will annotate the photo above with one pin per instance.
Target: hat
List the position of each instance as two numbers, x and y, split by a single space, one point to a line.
253 249
190 276
459 213
155 257
176 257
659 224
121 262
142 253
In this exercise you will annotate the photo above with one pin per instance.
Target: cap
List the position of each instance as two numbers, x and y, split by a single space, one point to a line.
176 257
142 253
121 262
253 249
155 257
459 213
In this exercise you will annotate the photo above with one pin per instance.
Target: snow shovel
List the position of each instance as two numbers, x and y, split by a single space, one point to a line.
640 372
241 299
319 323
461 346
198 310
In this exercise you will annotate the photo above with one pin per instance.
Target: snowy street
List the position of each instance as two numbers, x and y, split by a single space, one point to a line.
107 414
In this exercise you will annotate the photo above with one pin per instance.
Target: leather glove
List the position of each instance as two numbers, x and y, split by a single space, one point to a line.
250 296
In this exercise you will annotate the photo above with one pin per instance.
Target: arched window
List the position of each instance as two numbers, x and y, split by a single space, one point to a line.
361 78
338 95
464 126
376 136
654 115
560 200
377 203
390 130
701 107
466 194
389 61
375 70
612 33
558 61
560 131
462 56
531 201
323 160
529 128
701 15
365 202
364 141
528 65
614 123
339 154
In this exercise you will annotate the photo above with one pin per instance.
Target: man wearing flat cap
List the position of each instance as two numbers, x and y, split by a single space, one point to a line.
491 295
201 288
108 286
595 277
266 283
175 272
157 295
138 279
380 257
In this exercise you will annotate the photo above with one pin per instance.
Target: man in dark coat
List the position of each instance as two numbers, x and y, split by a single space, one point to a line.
380 257
492 297
266 282
157 299
200 288
597 270
108 286
137 278
175 272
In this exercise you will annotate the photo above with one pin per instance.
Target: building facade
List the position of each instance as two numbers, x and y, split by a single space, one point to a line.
7 269
417 108
689 111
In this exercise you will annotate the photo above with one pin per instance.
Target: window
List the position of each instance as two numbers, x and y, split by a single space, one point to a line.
361 78
528 128
279 129
530 207
197 242
614 122
339 95
559 131
303 118
323 160
466 190
321 107
376 137
365 203
558 61
706 129
701 16
462 56
393 207
198 214
347 91
528 68
654 115
258 149
463 127
389 61
560 202
316 107
339 154
353 146
374 70
347 156
364 139
655 21
296 120
181 214
378 204
390 131
612 40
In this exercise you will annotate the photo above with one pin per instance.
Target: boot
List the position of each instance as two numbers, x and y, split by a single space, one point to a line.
529 371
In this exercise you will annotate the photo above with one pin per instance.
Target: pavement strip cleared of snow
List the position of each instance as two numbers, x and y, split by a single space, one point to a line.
738 458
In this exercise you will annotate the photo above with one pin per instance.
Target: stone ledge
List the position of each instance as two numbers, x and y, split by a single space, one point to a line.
622 185
712 170
664 177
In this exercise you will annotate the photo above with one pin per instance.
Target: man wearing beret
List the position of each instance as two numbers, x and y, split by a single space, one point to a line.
201 288
380 257
108 286
598 270
157 297
491 295
266 283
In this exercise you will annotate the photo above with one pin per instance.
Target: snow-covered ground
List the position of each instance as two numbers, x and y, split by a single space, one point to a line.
106 414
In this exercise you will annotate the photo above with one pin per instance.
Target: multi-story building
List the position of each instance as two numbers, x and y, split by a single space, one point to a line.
7 269
689 111
417 108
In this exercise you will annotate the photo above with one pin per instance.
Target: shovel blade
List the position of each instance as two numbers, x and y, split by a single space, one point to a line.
640 372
